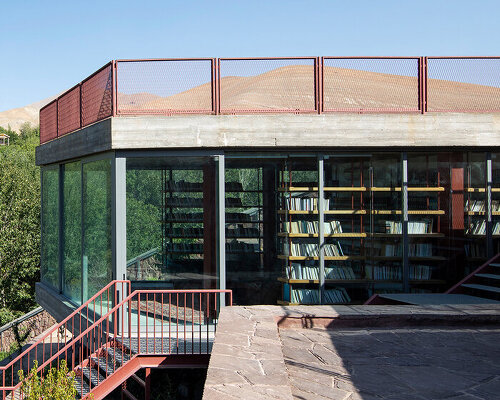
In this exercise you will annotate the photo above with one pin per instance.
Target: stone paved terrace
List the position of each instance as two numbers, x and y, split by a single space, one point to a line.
356 353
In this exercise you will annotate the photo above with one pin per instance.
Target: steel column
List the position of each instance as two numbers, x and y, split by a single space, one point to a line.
321 228
404 217
220 229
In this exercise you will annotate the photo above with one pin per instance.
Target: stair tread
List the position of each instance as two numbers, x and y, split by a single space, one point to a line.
482 287
489 276
78 385
494 265
93 375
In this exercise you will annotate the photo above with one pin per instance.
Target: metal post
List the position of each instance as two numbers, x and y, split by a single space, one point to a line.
404 218
220 228
321 228
489 220
119 226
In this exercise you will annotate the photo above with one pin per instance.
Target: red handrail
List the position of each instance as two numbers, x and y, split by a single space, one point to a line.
125 285
102 325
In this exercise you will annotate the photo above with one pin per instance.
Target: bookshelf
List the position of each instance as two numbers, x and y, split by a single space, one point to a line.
362 236
183 221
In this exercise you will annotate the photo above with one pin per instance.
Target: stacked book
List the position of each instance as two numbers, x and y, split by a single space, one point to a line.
239 247
305 203
391 273
478 228
475 250
414 227
311 296
312 227
311 250
185 247
299 271
420 249
420 272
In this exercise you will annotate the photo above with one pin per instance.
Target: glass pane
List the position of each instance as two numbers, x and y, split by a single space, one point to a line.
72 226
97 269
384 268
252 270
49 270
475 212
429 216
171 222
298 231
495 202
346 201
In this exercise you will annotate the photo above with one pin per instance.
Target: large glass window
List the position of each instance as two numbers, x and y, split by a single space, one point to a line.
171 225
72 231
252 270
50 227
97 268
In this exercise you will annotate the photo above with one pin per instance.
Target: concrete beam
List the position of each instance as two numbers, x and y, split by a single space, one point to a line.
247 132
93 139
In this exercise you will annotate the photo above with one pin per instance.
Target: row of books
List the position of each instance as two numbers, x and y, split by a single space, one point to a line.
480 205
185 247
242 247
299 271
479 228
414 227
311 296
311 249
312 227
395 273
305 203
396 250
475 250
242 232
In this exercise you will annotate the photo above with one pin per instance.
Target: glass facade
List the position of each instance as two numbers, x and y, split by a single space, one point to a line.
96 262
49 268
292 227
72 231
171 227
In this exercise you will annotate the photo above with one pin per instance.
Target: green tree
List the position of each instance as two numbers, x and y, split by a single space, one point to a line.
19 221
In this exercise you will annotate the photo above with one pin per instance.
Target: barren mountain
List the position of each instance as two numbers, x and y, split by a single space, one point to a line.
18 116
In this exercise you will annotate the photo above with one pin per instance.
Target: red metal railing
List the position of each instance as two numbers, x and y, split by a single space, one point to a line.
51 342
145 323
276 85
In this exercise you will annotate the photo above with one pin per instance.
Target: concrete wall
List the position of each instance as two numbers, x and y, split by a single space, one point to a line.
252 132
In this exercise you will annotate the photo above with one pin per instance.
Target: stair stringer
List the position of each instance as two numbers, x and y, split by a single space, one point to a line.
139 361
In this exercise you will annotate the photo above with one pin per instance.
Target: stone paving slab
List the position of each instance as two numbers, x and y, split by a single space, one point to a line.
390 352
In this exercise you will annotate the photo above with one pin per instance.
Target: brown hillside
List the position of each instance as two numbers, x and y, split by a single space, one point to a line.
292 87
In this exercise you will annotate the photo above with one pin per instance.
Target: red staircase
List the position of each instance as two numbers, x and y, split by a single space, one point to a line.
113 335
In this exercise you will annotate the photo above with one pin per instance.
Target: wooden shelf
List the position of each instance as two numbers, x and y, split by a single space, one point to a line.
363 281
481 212
368 258
330 235
482 190
363 212
359 189
327 258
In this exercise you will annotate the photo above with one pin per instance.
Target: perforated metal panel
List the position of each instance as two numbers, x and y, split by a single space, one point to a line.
48 122
371 84
68 115
463 84
260 85
166 86
97 102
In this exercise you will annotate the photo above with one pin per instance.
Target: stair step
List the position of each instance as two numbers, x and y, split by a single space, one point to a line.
93 375
105 364
120 357
79 386
494 265
482 287
489 276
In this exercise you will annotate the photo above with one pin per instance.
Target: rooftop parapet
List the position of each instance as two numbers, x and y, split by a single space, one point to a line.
296 85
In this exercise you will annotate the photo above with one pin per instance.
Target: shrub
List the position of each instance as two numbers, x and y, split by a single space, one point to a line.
54 384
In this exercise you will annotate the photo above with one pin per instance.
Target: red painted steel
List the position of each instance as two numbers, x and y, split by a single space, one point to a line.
277 85
97 96
48 122
68 116
463 84
268 85
64 331
371 84
165 86
471 277
95 341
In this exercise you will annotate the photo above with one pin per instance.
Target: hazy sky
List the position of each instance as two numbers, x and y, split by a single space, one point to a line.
48 46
